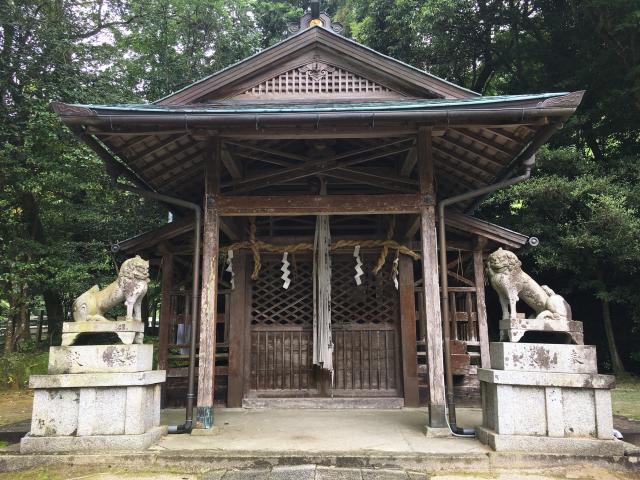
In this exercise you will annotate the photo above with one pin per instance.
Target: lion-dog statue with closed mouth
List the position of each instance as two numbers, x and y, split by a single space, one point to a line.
130 287
513 284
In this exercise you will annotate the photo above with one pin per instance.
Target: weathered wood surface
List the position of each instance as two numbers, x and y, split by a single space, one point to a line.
208 304
430 284
165 310
433 328
237 325
317 205
483 327
408 332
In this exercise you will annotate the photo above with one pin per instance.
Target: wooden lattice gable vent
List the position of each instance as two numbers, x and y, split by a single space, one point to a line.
318 79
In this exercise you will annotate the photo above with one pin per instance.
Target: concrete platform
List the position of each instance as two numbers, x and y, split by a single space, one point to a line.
323 431
371 444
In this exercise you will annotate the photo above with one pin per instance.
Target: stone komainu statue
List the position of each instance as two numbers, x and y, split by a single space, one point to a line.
512 284
130 287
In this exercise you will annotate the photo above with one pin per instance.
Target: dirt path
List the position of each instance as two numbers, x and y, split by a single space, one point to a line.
15 406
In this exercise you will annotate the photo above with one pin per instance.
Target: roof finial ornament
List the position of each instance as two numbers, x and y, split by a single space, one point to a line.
315 18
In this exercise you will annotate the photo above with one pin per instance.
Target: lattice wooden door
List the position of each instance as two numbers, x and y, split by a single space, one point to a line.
364 322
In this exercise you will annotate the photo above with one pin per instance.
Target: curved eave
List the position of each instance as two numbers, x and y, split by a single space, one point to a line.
478 140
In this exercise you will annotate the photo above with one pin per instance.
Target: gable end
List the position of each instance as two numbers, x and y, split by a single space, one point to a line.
320 79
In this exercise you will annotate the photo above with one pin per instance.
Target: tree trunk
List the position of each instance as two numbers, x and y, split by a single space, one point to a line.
22 330
8 333
55 316
616 362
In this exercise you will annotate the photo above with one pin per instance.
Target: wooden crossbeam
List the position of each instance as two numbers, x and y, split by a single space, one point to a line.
467 148
164 144
175 174
317 205
270 151
409 162
506 134
485 141
310 168
390 182
457 158
463 177
230 163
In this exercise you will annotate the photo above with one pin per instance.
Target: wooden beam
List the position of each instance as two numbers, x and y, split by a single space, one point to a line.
315 166
408 332
433 327
209 294
409 162
317 205
483 326
485 141
270 151
460 278
166 286
231 164
231 229
159 146
166 232
177 173
380 181
425 161
430 284
457 158
470 148
237 325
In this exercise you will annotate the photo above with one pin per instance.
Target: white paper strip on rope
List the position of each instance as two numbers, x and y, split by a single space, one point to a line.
394 270
359 271
230 268
286 273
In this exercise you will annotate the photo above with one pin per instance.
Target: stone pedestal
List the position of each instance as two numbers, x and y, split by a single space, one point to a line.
513 330
96 398
547 398
128 331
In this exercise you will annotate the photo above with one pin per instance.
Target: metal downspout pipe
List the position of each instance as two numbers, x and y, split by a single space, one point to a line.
187 426
528 156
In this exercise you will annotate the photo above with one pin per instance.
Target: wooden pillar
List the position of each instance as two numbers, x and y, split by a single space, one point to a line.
237 325
166 286
209 293
431 287
483 327
408 332
165 310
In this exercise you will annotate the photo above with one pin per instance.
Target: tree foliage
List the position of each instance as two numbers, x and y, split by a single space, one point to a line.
58 212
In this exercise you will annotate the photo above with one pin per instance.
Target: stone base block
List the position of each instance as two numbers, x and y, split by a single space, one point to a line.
100 358
543 357
125 406
512 330
437 432
539 444
91 443
546 410
129 331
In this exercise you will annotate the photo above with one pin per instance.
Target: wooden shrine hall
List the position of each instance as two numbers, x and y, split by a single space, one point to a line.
328 175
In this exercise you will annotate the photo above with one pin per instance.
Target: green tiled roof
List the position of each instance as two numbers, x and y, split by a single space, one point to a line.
318 107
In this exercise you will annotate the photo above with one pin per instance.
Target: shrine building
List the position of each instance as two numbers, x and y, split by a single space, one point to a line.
323 250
